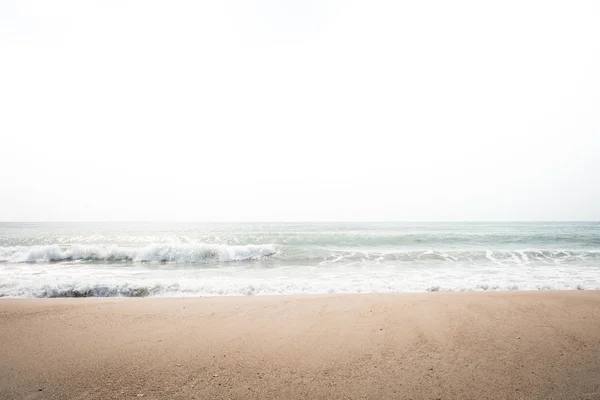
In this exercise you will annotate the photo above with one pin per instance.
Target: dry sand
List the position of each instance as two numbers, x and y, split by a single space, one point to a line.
519 345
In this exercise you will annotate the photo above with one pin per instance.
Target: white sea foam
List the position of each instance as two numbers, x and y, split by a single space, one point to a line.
176 252
256 286
76 279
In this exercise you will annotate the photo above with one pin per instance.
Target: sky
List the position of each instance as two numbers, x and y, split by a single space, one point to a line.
299 110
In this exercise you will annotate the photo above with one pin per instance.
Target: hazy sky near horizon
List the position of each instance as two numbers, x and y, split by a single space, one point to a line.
299 110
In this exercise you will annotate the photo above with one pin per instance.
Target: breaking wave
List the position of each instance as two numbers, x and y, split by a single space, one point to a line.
177 253
215 253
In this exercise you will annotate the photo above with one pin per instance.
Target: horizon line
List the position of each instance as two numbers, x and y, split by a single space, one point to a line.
294 221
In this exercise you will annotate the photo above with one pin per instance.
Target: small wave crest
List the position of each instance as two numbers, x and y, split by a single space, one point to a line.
177 253
474 257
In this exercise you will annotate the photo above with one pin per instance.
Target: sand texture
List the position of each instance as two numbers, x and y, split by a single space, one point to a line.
513 345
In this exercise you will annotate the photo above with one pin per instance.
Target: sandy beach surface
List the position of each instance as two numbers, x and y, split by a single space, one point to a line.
510 345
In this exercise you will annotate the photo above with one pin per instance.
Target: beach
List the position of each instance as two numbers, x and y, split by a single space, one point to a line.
472 345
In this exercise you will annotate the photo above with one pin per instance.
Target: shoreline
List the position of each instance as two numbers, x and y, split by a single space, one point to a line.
447 345
299 295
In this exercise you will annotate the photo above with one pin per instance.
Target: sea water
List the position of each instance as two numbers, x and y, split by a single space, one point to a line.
218 259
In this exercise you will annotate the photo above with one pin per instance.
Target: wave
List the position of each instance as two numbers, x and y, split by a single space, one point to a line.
178 253
514 257
214 253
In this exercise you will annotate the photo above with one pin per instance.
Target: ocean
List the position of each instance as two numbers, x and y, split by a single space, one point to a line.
132 259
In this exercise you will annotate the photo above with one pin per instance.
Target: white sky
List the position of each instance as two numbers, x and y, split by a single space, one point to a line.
299 110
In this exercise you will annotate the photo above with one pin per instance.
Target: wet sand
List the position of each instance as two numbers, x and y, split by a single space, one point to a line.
512 345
